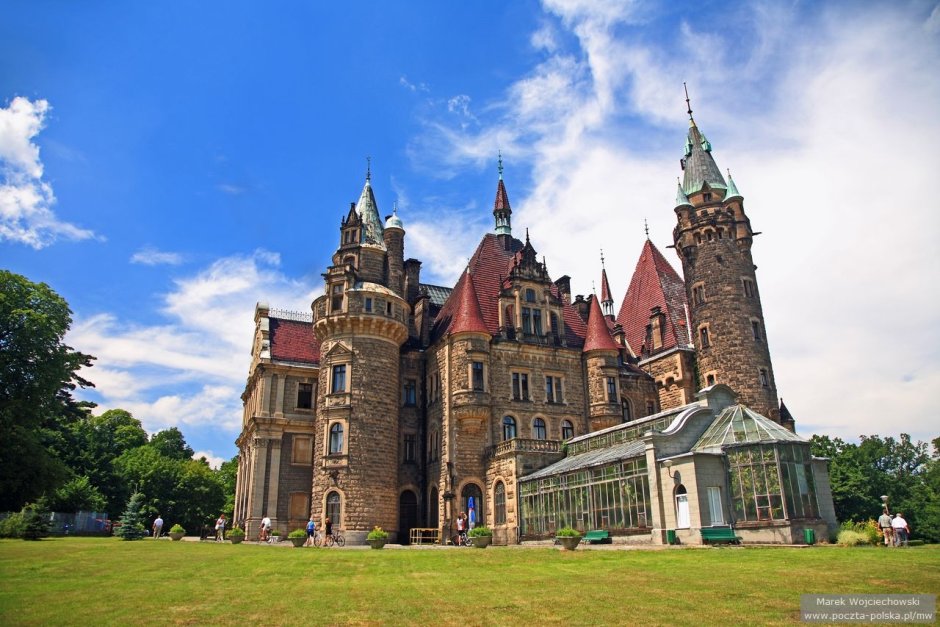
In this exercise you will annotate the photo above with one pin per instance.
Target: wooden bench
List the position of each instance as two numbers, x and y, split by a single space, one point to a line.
719 535
597 536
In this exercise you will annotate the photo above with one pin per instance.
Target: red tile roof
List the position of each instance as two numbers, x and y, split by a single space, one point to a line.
489 265
598 336
605 287
467 318
502 198
292 340
654 284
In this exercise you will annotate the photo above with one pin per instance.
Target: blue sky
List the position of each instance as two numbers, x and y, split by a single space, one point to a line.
167 165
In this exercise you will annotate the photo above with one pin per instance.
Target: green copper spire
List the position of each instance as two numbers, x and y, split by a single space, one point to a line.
681 199
732 189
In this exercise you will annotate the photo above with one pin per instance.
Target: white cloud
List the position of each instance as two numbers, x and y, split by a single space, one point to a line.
830 137
26 200
208 319
214 460
150 256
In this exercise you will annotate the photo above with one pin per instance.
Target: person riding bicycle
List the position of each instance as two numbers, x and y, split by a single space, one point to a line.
265 528
461 528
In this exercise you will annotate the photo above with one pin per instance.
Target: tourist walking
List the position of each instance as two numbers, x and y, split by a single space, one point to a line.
901 530
220 529
157 527
884 521
461 527
311 532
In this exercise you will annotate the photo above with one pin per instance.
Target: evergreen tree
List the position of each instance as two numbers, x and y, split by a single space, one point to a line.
132 522
35 523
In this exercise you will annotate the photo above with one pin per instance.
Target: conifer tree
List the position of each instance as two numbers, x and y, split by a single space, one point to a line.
132 522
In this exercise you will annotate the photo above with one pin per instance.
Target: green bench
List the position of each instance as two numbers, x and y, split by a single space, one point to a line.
719 535
597 536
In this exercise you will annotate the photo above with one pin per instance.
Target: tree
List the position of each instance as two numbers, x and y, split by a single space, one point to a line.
171 443
133 522
75 495
227 476
38 373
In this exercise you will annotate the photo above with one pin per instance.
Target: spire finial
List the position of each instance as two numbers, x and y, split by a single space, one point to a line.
593 288
395 208
500 168
368 168
687 103
526 235
646 227
602 259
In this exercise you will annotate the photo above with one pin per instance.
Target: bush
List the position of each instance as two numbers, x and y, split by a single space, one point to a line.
868 528
567 532
377 533
276 532
847 537
35 522
915 543
296 533
236 531
177 528
12 526
482 530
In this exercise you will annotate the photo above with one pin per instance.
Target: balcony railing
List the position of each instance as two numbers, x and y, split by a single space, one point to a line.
525 445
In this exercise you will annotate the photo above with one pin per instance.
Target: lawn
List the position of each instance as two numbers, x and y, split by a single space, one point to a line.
108 581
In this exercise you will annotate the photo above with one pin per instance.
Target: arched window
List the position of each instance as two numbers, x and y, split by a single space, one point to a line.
509 428
538 429
682 507
627 412
499 502
336 439
334 508
567 430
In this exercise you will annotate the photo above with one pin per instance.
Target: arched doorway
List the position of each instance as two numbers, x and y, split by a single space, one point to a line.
473 490
433 509
682 508
407 515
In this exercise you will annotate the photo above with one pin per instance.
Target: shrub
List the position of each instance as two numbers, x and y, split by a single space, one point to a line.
868 528
568 532
12 526
177 528
35 522
296 533
236 531
276 532
915 543
377 533
847 537
132 522
482 530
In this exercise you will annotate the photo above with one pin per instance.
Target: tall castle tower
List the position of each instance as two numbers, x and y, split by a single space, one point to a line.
361 322
713 238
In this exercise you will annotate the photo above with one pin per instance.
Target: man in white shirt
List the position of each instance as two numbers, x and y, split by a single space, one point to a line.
265 528
157 527
901 530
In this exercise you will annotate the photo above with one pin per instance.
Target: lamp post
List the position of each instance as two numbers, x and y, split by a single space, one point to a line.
884 501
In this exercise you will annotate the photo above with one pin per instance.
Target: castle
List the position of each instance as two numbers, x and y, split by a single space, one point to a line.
394 403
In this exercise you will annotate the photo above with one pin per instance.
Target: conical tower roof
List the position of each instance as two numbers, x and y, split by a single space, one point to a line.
501 209
598 334
368 210
681 199
700 167
732 189
468 318
654 284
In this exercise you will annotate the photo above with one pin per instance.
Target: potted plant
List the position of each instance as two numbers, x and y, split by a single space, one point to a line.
568 538
482 536
177 532
236 535
377 537
297 537
275 536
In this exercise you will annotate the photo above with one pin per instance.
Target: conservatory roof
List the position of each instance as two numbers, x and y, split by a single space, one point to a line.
739 425
596 457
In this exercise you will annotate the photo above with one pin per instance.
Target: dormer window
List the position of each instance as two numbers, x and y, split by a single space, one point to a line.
707 196
530 295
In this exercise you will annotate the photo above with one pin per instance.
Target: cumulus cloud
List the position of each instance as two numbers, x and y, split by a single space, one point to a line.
830 139
150 256
214 460
180 372
26 200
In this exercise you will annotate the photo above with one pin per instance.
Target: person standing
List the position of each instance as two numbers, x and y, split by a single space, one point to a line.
220 529
884 521
461 527
157 527
901 530
311 532
328 528
265 528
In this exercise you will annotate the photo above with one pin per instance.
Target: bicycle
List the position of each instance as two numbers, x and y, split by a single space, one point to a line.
462 539
336 539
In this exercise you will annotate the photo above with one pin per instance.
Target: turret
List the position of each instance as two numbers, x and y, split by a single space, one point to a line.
601 356
394 235
501 209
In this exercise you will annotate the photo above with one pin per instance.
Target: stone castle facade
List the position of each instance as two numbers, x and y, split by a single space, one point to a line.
394 402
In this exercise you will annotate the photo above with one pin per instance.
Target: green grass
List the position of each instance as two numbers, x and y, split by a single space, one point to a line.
107 581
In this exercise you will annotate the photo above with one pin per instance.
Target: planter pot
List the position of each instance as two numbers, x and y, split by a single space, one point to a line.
298 542
378 543
236 539
568 543
177 535
481 542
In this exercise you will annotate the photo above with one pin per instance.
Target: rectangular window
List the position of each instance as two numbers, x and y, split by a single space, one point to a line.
703 332
650 408
477 374
537 321
715 513
748 287
298 507
411 447
304 395
301 450
755 329
764 381
526 320
698 294
520 386
553 393
368 305
339 379
611 390
337 298
410 392
388 308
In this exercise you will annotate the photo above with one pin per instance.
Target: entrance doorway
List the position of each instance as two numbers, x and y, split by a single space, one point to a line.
407 515
682 508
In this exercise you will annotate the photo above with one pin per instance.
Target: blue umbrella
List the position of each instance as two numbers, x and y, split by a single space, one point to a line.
471 511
